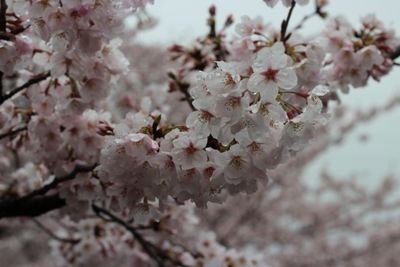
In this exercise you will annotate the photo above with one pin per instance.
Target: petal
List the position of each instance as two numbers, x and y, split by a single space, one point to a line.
181 142
263 59
270 91
286 78
256 83
320 90
278 48
278 61
193 119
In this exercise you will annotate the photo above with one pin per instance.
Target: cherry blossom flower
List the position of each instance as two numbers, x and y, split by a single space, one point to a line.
188 151
272 71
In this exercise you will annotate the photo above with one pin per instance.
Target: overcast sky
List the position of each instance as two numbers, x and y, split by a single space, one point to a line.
183 20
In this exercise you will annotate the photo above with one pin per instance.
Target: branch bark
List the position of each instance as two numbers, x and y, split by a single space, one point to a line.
285 23
13 132
159 256
34 80
36 203
59 180
30 207
3 12
53 235
3 26
395 54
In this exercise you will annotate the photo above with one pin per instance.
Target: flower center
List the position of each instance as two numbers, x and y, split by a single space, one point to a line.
190 150
270 74
236 162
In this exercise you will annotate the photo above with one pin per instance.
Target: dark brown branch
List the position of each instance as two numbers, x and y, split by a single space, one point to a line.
34 80
12 132
211 22
395 54
285 23
183 87
3 13
35 203
160 256
1 84
304 20
5 36
188 97
3 26
318 11
31 207
52 235
59 180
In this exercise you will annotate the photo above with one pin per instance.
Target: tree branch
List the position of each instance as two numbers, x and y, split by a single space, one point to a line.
30 207
34 80
5 36
285 23
3 12
304 20
54 236
13 132
159 256
1 84
3 26
35 203
78 169
395 54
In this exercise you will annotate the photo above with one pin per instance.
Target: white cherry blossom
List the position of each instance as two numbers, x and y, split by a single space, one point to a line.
188 151
272 71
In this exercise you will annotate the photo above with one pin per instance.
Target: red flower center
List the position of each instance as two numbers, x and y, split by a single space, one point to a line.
270 74
190 150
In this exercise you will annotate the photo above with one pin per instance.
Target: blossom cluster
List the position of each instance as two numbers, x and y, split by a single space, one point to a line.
71 50
253 109
105 127
357 55
94 237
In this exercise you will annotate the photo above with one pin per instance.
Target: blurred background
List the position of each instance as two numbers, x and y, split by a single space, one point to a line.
372 150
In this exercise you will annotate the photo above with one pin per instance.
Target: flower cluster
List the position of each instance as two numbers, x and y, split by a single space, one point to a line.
251 111
92 237
356 55
121 139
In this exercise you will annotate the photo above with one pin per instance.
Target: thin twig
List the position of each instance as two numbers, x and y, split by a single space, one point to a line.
304 20
3 27
188 99
35 203
13 132
3 12
5 36
52 235
285 23
1 84
183 88
395 54
34 80
58 180
159 256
